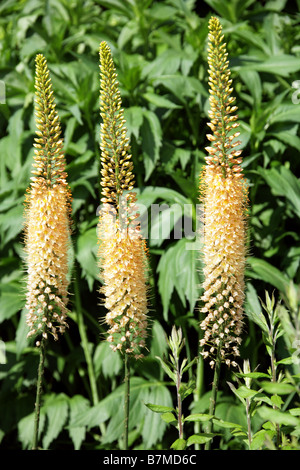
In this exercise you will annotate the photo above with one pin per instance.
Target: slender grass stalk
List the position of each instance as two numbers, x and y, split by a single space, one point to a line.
39 390
224 195
127 399
198 392
86 349
85 345
213 398
248 416
179 403
47 228
122 250
270 338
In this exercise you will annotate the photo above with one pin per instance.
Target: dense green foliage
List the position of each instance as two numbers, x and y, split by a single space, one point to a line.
159 49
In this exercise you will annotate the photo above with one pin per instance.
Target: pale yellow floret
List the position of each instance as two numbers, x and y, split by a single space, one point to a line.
124 285
47 262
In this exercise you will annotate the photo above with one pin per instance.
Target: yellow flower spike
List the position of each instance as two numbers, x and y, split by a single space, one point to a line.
117 166
122 250
224 196
47 218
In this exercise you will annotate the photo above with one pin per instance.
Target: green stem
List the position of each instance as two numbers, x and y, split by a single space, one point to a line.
274 379
126 399
248 421
38 395
198 393
179 402
213 398
84 342
86 349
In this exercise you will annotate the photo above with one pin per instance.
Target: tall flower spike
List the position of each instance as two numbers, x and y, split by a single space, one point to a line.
224 196
47 217
122 250
117 167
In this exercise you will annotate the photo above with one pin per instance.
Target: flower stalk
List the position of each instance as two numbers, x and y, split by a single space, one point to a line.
122 249
38 395
47 226
176 343
224 195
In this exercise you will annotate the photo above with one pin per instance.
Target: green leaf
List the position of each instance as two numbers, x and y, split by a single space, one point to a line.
288 138
163 223
277 401
56 409
285 113
86 254
78 404
167 369
189 365
278 388
159 408
11 300
21 333
259 439
199 439
229 10
186 389
245 392
281 64
177 270
279 417
96 414
182 87
12 222
179 444
261 269
159 346
226 424
160 101
117 5
294 411
286 361
106 361
166 62
26 429
253 375
169 418
234 390
134 116
109 409
151 134
149 194
283 183
253 308
252 80
198 417
154 427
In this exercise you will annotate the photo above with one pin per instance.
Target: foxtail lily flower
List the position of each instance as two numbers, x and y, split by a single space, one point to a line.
223 192
47 214
122 249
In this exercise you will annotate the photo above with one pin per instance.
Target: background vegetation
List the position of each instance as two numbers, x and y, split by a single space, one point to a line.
159 49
